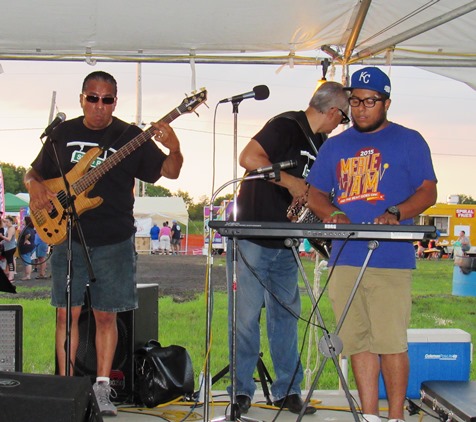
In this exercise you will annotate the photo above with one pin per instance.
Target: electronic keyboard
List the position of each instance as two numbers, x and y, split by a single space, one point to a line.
262 229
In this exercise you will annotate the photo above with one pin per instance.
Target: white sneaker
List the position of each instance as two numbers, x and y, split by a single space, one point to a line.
370 418
396 420
102 390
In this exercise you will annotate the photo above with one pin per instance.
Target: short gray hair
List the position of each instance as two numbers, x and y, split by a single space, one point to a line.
330 94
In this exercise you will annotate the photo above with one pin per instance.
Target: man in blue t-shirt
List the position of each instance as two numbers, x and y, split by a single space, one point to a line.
379 173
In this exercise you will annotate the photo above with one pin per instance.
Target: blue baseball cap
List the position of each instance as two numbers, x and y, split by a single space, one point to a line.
371 78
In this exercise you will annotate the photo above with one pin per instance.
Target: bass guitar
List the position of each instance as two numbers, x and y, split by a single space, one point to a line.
52 226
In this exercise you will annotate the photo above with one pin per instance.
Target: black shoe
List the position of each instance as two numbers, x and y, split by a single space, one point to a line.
244 403
294 404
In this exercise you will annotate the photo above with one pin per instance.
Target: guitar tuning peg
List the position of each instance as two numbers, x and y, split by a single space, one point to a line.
198 115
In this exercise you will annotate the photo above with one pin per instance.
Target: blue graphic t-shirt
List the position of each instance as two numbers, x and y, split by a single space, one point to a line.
370 172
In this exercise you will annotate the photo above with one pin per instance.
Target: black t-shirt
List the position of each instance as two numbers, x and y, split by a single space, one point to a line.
176 232
424 243
112 221
282 139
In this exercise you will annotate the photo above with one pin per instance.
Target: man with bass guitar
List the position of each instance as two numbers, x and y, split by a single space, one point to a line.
108 224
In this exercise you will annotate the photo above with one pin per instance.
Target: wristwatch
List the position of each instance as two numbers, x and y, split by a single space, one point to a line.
394 210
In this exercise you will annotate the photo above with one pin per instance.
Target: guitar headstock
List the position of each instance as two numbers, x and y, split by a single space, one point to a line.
189 104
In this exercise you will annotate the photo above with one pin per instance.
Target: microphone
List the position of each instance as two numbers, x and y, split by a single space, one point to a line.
60 118
260 92
283 165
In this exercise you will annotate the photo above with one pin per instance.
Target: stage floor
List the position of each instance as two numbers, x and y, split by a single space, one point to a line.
333 406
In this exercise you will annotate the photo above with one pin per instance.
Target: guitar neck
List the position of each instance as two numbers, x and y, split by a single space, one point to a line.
93 175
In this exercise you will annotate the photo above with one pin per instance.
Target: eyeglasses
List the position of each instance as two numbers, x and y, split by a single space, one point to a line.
345 119
368 102
94 99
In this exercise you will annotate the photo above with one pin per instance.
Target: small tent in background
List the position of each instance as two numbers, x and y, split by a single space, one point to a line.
13 204
150 210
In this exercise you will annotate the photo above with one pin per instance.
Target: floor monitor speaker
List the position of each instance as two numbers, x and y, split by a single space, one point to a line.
47 398
135 328
11 337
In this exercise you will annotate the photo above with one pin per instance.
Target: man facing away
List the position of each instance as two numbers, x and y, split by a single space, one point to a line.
109 228
267 272
380 173
154 238
176 239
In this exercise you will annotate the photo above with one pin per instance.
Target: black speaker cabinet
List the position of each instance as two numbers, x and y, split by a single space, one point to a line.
47 398
11 337
135 328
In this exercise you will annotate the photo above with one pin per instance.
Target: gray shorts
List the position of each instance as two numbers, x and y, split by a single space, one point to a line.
114 270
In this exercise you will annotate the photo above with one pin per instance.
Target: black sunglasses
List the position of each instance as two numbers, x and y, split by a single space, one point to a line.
94 99
345 119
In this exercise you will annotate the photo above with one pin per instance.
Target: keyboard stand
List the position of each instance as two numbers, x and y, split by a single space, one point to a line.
330 344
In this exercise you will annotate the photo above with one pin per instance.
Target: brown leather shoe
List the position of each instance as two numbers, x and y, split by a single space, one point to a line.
294 404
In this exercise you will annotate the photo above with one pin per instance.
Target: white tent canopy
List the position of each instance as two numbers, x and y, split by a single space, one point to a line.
150 210
161 209
438 35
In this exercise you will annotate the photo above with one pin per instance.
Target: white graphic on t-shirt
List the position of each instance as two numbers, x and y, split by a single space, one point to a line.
79 153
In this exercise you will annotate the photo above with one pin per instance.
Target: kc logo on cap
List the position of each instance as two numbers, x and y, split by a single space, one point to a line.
371 78
364 77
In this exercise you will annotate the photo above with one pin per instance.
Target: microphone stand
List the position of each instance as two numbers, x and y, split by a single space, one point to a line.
234 410
206 378
72 221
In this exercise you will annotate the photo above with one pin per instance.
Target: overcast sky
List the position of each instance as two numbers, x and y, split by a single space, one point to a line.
441 109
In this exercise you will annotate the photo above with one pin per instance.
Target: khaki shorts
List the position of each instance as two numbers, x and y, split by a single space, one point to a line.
379 315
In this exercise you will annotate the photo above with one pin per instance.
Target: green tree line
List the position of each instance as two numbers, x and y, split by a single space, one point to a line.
13 182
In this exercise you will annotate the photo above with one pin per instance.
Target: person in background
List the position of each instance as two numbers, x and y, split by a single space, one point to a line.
380 173
41 252
422 247
9 243
464 241
26 246
3 260
165 235
154 238
267 272
176 241
111 250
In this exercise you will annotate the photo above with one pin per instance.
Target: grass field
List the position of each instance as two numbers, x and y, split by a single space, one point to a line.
184 323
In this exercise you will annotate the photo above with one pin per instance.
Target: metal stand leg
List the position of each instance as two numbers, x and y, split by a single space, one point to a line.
331 345
235 414
263 374
264 378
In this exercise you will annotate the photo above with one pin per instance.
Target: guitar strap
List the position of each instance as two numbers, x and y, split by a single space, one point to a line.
311 137
112 135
